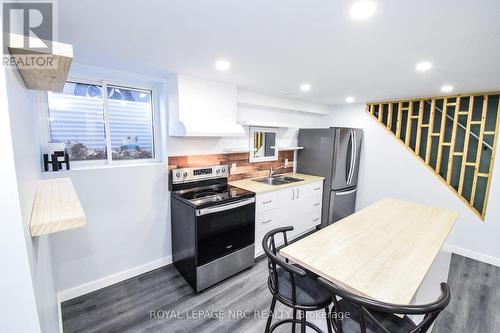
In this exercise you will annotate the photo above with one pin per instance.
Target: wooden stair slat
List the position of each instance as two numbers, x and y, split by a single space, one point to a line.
451 156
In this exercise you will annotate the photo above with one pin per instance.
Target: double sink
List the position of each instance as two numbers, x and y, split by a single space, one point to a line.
277 180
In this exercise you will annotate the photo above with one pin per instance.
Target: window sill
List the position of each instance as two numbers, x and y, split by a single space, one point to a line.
98 166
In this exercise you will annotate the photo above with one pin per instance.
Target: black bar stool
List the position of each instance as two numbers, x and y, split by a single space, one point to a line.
370 316
293 287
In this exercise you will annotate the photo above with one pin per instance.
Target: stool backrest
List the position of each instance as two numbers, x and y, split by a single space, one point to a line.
274 262
366 306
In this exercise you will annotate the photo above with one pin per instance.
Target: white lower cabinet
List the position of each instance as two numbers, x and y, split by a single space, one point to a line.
299 207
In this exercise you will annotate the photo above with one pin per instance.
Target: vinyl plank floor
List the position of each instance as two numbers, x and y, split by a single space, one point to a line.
475 298
231 306
241 303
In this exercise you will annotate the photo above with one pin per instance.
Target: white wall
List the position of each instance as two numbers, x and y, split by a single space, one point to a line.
126 208
127 224
26 153
389 170
26 267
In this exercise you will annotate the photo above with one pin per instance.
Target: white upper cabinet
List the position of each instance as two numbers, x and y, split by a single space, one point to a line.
202 108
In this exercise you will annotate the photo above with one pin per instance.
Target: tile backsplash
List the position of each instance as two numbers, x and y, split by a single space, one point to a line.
244 169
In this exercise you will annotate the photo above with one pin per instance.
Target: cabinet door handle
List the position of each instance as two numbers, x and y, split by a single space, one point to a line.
314 220
267 221
316 204
266 202
293 194
298 192
317 188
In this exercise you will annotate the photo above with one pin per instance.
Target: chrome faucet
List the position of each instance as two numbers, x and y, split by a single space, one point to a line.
273 172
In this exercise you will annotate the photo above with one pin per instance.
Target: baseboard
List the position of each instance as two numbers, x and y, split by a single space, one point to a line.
473 255
59 314
107 281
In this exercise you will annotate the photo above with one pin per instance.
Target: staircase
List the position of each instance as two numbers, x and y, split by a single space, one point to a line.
454 136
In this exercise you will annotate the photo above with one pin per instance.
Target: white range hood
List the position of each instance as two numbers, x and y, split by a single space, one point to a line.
202 108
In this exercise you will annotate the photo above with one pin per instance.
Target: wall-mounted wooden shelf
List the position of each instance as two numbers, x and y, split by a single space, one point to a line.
454 136
56 208
49 78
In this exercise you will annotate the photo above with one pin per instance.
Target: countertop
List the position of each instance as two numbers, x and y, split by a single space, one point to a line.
258 188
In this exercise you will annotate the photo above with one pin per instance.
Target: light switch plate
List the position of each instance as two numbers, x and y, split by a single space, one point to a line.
286 162
233 167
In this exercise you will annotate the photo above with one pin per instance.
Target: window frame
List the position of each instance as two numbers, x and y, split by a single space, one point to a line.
44 122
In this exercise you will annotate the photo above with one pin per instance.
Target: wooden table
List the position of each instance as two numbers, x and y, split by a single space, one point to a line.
383 251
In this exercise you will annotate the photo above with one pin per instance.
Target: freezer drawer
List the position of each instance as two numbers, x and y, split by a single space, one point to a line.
342 204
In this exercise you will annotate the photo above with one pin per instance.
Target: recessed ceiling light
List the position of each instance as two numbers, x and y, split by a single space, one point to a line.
446 88
349 99
305 87
362 10
423 66
222 65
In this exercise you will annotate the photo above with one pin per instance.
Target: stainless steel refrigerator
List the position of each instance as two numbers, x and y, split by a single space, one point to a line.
332 153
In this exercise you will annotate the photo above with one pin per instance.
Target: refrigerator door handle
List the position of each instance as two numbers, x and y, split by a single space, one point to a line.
347 171
346 192
355 154
350 160
351 166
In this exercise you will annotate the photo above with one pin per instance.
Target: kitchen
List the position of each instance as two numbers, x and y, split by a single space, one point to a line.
245 91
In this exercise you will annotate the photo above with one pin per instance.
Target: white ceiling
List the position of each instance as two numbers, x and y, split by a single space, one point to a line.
275 45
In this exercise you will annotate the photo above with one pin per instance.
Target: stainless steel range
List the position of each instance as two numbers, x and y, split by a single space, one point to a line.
213 225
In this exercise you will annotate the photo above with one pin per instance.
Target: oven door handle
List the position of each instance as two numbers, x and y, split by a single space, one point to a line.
215 209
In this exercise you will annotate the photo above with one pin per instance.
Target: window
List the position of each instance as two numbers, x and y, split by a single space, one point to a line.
93 125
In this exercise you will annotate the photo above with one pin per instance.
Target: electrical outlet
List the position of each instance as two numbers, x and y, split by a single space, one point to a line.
233 167
286 162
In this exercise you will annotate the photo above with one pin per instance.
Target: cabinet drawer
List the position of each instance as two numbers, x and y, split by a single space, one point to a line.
314 217
265 221
265 202
311 190
307 221
311 203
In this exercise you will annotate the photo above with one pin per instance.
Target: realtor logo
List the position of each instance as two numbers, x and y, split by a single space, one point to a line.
28 32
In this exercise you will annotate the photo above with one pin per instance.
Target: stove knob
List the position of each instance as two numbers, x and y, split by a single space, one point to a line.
223 169
217 171
178 174
185 174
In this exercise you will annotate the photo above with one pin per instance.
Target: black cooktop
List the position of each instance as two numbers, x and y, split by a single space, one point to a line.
212 195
